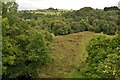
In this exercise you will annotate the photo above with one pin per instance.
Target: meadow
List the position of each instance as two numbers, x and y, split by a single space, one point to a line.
54 43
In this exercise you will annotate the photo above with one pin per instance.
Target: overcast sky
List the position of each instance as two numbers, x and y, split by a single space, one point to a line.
65 4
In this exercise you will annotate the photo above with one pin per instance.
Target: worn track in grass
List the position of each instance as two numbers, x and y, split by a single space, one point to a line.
68 52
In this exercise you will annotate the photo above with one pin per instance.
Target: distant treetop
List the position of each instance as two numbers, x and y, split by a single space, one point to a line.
111 8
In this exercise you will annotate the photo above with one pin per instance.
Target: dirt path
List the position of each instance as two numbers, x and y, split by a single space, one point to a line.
68 52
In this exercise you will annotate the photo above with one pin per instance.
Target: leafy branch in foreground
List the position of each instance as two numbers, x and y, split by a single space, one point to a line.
104 58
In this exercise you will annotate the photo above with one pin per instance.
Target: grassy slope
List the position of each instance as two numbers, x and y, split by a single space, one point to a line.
69 53
49 12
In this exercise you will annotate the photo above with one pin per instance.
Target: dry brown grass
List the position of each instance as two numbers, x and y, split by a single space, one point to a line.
68 52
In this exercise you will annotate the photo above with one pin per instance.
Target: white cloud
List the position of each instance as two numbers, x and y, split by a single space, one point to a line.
66 4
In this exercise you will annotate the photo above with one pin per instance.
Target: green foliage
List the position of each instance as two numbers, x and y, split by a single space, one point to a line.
95 20
25 49
0 8
85 19
87 9
59 27
9 8
24 53
27 34
104 58
111 8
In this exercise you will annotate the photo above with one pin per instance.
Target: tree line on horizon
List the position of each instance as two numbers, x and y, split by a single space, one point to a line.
27 35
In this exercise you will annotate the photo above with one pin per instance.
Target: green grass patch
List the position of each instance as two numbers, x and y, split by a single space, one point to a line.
68 54
51 12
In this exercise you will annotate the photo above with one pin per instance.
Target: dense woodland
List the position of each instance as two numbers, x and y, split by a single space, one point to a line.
28 33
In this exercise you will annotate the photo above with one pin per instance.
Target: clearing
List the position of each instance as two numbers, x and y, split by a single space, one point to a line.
68 52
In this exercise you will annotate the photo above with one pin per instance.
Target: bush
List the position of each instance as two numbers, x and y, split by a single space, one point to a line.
103 60
23 54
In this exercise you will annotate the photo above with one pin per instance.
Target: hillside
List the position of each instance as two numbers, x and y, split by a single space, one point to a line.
51 12
51 43
68 52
